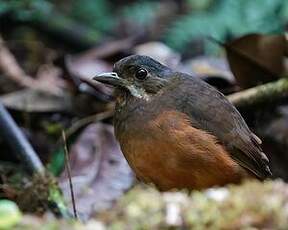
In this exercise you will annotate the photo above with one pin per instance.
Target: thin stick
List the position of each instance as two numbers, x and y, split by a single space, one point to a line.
68 168
87 120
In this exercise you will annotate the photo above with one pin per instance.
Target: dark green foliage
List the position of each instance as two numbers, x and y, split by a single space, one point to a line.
97 14
199 4
219 19
141 12
103 16
25 9
229 17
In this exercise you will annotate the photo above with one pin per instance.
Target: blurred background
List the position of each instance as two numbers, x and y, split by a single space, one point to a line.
182 25
49 50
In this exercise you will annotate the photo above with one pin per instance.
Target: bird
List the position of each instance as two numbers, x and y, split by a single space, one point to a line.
177 131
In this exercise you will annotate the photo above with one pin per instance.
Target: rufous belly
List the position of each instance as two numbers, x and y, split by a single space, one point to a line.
173 154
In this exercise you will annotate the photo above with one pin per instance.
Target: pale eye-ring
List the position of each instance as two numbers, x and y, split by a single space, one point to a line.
141 74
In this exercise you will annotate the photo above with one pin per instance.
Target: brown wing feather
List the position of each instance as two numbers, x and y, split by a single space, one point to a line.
209 110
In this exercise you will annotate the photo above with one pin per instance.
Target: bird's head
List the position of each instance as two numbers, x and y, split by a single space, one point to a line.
141 76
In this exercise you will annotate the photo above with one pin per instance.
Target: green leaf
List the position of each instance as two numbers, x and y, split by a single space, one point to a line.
57 162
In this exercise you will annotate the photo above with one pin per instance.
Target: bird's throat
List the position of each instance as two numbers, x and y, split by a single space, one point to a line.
138 93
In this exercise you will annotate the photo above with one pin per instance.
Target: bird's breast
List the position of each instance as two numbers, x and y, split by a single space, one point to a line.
166 150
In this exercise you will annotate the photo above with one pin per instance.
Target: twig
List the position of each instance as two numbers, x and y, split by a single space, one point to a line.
267 93
87 120
68 168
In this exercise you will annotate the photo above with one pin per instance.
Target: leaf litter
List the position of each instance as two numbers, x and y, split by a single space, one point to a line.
100 173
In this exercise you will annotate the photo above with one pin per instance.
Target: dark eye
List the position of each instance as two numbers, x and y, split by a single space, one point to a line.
141 74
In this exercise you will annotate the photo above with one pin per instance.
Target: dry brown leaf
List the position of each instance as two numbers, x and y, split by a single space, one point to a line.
160 52
86 66
111 48
31 100
256 58
100 173
214 71
12 70
83 68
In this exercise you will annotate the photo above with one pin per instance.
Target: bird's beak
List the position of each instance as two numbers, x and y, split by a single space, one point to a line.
110 79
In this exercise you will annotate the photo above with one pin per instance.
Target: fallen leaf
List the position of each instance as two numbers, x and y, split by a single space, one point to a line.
214 71
255 59
159 52
50 76
100 173
112 48
14 72
31 100
83 68
86 66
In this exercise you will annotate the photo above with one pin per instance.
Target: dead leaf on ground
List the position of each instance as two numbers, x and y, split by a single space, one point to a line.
100 173
214 71
112 48
31 100
86 66
256 58
82 68
51 76
10 68
159 52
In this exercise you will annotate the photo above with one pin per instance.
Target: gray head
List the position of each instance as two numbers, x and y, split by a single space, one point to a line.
142 76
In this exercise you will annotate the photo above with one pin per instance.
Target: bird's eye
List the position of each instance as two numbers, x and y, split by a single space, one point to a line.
141 74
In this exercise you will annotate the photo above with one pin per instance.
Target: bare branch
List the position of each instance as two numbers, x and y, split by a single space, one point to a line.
263 94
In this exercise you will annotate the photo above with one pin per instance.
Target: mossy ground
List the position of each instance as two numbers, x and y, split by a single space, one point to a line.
252 205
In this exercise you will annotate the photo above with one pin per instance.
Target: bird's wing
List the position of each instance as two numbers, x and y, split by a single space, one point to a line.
209 110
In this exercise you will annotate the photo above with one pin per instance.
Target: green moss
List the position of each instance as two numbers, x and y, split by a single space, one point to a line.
10 214
253 205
